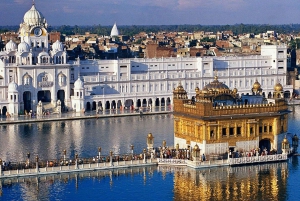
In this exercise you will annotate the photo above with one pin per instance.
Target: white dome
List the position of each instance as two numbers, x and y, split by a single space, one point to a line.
43 54
11 46
12 87
57 46
34 17
23 47
114 30
79 84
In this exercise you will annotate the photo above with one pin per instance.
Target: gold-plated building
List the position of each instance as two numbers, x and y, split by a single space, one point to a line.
219 120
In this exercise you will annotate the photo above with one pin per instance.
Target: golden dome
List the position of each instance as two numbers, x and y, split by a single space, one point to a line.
285 141
196 147
235 90
150 135
197 89
256 85
180 87
278 87
215 85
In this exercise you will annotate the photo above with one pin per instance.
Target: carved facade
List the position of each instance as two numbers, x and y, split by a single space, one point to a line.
218 119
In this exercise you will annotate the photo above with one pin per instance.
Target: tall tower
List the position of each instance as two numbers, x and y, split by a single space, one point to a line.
79 95
33 31
13 98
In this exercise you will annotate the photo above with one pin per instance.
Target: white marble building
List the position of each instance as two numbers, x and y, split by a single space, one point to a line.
34 71
144 82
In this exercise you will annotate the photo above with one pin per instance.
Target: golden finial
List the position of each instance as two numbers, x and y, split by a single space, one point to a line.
216 74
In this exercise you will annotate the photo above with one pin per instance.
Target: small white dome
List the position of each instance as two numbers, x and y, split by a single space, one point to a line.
43 54
12 87
23 47
57 46
79 84
34 17
114 30
11 46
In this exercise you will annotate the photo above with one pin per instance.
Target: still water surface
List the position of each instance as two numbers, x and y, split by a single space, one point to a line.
278 181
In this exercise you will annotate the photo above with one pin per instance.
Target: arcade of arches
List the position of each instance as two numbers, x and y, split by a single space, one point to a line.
128 104
44 96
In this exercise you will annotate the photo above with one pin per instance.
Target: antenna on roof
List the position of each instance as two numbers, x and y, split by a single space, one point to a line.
33 3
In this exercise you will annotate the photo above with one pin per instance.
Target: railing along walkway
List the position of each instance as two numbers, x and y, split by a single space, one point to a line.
223 162
36 170
257 159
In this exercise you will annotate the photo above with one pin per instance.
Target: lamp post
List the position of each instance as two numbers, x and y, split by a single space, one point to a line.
150 141
37 163
177 150
131 148
99 154
76 161
0 167
111 158
196 153
65 153
164 144
160 152
285 146
28 159
145 151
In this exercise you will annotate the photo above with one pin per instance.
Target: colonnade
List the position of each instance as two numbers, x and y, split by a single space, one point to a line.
130 103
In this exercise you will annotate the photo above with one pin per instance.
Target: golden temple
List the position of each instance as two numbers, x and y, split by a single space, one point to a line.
219 119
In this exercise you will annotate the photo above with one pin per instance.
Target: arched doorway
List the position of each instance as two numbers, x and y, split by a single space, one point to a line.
149 102
265 144
162 102
94 105
107 105
144 103
113 104
88 106
138 104
27 101
157 102
128 103
4 110
61 97
119 104
44 96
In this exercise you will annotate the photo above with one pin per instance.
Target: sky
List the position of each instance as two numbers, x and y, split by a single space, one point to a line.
154 12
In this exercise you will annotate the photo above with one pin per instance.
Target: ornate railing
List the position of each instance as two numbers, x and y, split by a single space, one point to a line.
257 159
171 161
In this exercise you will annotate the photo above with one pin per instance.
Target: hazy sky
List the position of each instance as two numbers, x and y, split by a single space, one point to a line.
154 12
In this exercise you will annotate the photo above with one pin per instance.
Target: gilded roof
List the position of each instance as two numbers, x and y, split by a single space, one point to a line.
278 87
215 85
256 85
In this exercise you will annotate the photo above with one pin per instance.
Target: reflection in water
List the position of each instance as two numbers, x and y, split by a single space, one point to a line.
49 139
260 182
